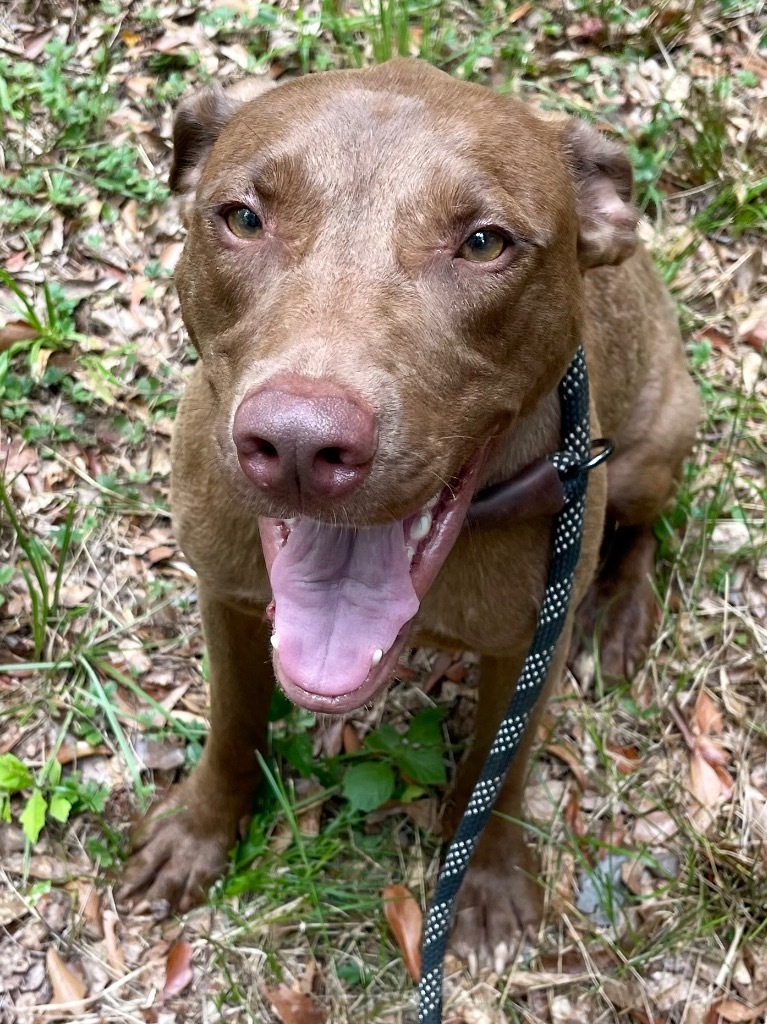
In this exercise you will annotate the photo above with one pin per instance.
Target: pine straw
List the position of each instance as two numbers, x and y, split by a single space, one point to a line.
674 930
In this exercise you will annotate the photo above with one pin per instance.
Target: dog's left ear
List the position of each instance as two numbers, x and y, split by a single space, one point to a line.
603 179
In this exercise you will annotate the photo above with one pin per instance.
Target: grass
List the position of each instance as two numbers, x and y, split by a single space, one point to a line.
100 652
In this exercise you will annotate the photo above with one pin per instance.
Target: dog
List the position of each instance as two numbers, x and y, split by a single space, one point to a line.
386 274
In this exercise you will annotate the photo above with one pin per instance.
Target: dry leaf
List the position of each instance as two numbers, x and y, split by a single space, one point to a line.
406 922
15 331
178 969
704 781
89 907
35 45
654 828
68 987
627 759
732 1010
293 1007
160 554
708 717
517 13
352 742
115 957
69 752
572 759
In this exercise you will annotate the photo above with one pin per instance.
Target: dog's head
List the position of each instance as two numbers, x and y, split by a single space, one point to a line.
383 270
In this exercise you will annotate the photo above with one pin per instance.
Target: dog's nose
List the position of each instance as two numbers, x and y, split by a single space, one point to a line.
304 438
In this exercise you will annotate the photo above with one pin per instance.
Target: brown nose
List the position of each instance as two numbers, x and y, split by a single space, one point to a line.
304 438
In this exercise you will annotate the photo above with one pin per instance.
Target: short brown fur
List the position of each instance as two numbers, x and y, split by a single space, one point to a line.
356 175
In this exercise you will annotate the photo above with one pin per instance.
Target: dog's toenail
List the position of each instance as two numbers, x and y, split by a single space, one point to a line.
501 956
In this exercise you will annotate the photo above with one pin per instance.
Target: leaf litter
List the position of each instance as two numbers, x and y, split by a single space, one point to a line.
663 781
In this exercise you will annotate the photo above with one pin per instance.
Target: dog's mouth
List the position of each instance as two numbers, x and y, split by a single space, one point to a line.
343 599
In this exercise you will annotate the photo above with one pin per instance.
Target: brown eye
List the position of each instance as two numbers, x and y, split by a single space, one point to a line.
242 222
483 246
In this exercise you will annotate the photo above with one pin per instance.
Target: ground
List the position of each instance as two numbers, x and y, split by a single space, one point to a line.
648 799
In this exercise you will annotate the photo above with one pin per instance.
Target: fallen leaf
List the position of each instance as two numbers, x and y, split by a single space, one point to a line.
89 907
654 828
178 969
170 254
12 907
293 1007
35 45
707 717
626 759
751 367
14 332
705 785
517 13
352 742
69 752
115 957
406 922
733 1010
160 554
68 987
572 759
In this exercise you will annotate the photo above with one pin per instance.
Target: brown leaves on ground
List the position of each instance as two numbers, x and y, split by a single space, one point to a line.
710 781
68 987
293 1006
405 919
735 1012
178 969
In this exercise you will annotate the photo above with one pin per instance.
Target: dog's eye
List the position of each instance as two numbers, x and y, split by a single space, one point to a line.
483 246
242 222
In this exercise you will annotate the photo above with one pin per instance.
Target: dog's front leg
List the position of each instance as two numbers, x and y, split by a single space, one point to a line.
501 899
183 844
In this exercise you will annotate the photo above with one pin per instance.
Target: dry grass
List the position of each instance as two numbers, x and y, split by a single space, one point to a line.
649 800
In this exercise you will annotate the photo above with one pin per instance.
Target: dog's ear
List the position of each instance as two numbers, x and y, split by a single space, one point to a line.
199 121
603 179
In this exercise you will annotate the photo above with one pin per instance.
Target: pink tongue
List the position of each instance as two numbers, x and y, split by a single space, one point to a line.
339 595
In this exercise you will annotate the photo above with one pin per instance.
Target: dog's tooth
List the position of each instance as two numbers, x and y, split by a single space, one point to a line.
275 641
421 526
432 501
410 552
377 655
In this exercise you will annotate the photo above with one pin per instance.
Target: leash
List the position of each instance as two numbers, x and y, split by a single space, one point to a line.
570 471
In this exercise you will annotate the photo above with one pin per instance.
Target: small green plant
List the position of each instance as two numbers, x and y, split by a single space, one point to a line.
39 332
391 765
46 795
38 560
78 157
397 765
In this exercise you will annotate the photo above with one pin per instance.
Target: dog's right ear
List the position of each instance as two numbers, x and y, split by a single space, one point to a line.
199 121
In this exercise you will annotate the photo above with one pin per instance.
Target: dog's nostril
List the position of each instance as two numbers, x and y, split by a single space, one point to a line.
263 447
332 456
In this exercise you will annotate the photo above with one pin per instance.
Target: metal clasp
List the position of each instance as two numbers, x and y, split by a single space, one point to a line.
607 448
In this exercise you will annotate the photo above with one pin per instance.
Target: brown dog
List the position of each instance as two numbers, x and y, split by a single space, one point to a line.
387 273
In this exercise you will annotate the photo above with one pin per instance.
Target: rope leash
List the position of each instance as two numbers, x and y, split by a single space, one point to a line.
572 463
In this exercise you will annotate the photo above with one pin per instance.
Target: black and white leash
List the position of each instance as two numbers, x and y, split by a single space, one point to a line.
572 463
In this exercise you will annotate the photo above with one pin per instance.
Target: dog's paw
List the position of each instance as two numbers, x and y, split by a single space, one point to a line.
500 903
620 624
178 851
